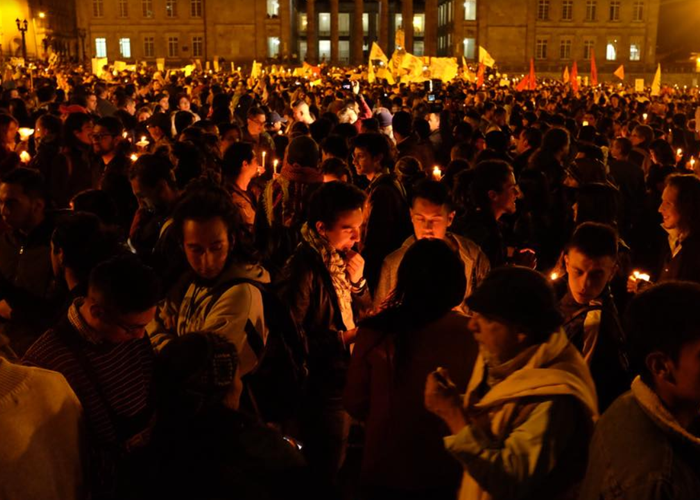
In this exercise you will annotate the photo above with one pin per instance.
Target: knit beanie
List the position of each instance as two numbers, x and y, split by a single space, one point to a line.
520 296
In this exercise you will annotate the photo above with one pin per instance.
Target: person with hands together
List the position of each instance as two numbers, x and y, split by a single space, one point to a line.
530 406
324 286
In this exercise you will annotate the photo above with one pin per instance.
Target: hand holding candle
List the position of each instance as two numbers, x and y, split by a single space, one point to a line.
437 173
25 157
274 167
143 143
25 133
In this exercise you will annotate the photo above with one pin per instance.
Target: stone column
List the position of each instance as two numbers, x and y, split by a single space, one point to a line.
311 34
407 16
458 29
358 35
334 32
285 29
431 27
384 25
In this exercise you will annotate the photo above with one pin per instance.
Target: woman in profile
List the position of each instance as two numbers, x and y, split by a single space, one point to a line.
417 330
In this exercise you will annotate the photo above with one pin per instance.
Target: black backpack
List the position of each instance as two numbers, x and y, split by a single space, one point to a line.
275 386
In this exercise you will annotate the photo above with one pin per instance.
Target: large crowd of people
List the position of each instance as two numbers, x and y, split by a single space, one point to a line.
216 286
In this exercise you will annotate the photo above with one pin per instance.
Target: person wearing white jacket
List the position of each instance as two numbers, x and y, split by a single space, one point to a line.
527 418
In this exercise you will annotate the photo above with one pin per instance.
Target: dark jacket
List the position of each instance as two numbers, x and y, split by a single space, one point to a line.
388 224
418 149
608 362
483 229
226 454
113 179
305 286
27 284
685 265
639 452
70 174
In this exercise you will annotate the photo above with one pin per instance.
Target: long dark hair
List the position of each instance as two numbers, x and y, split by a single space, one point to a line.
430 282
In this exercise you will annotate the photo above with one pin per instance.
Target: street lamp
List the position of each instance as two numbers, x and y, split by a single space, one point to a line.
22 26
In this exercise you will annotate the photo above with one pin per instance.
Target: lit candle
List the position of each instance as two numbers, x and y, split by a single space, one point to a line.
134 157
25 133
692 163
553 276
142 143
125 134
585 123
437 173
679 152
274 166
24 157
264 154
636 275
644 116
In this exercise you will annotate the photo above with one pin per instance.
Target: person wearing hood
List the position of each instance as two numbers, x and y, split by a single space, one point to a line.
323 285
528 413
647 444
215 294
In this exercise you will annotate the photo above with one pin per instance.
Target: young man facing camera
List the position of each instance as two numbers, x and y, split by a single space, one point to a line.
432 214
590 317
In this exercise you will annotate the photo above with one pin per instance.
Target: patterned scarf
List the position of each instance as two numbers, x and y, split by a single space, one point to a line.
335 264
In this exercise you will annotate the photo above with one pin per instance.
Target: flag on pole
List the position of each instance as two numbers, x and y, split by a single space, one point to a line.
656 84
480 75
485 57
620 72
466 72
523 84
594 70
566 77
375 54
533 79
574 77
256 70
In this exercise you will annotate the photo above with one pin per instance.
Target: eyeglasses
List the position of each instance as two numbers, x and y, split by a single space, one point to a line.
130 329
261 123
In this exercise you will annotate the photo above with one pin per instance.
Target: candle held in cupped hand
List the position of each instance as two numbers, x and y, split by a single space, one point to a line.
134 157
25 133
24 157
636 275
437 173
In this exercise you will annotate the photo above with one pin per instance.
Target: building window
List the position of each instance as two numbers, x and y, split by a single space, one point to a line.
100 47
302 50
469 10
324 50
303 23
344 24
98 8
125 47
196 8
565 49
614 10
419 24
123 8
588 46
591 6
273 46
365 24
635 51
638 11
173 46
543 10
470 48
273 8
611 50
450 10
171 8
197 46
541 48
398 22
147 8
567 10
344 51
418 48
149 49
324 24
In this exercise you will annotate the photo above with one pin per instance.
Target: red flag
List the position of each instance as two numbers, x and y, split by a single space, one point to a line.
594 70
574 77
533 79
620 72
480 75
523 84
